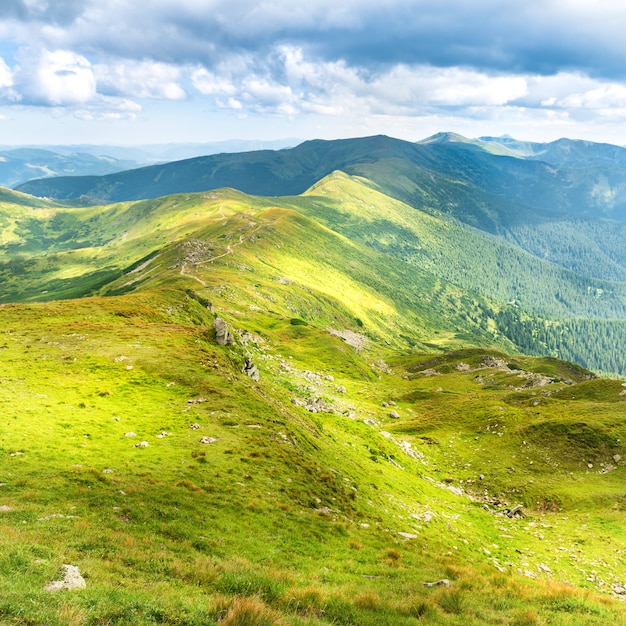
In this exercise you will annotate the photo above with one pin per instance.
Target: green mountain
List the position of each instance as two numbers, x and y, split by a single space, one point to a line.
367 443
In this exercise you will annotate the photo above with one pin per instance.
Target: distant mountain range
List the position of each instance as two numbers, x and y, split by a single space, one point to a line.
24 163
575 177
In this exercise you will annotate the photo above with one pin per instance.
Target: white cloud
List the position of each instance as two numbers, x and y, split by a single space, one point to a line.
145 79
54 78
109 109
209 83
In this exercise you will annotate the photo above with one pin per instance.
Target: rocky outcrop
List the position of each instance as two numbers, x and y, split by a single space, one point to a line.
71 580
250 369
222 336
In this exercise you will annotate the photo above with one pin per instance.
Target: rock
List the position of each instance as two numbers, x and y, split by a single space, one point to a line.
394 415
208 440
71 580
196 401
163 434
131 434
222 336
141 444
619 589
391 403
4 508
617 458
194 426
316 406
107 471
340 389
444 582
250 369
407 535
516 511
384 404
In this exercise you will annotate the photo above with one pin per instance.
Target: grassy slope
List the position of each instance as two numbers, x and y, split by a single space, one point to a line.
299 512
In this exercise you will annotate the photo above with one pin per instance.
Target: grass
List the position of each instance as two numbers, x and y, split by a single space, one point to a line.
289 516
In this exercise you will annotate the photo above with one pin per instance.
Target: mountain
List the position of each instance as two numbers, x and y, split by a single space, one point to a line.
18 165
397 461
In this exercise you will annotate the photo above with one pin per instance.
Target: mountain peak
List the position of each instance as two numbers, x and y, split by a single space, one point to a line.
445 137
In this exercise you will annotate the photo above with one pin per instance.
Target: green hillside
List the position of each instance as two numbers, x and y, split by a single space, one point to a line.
398 461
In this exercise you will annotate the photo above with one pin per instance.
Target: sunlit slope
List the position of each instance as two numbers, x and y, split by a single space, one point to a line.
344 239
387 440
135 448
462 255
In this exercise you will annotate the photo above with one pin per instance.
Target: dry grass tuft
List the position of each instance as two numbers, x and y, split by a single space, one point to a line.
251 611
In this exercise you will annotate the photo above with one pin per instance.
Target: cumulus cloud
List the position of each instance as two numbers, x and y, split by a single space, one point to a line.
144 79
54 78
554 59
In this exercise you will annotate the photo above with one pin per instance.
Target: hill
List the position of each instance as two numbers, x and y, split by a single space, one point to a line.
542 199
397 461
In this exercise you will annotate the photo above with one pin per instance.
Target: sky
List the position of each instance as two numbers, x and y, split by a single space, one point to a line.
123 72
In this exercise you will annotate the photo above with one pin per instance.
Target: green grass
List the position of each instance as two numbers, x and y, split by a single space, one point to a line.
290 516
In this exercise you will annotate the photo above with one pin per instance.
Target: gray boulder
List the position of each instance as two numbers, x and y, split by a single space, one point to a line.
250 369
222 336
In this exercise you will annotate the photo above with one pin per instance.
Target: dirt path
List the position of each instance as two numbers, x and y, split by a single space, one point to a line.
229 250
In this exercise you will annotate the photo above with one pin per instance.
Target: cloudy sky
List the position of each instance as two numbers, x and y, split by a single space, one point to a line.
157 71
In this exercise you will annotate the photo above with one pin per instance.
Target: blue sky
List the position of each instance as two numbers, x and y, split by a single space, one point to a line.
159 71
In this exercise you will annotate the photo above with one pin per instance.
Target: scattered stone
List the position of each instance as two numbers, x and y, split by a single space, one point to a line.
208 440
222 336
107 471
248 337
462 367
130 434
196 401
384 404
115 419
355 340
56 516
71 580
619 589
493 363
406 447
4 508
617 458
163 434
516 511
141 444
340 389
444 582
16 454
407 535
544 568
370 422
392 403
194 426
394 415
254 426
250 369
